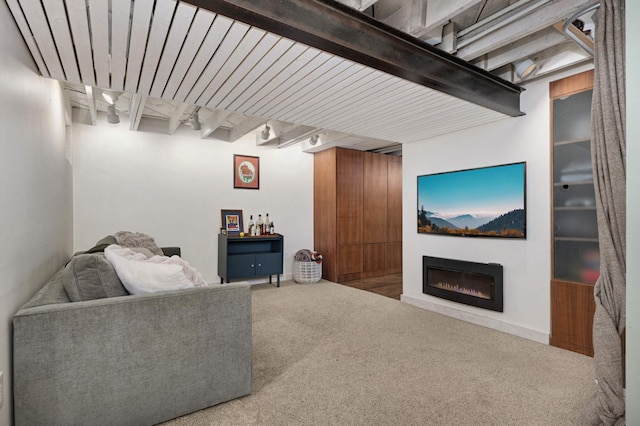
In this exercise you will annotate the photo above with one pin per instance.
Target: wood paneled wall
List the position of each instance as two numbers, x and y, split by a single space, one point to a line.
358 213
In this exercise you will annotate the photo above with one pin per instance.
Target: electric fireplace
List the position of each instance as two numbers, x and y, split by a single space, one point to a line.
471 283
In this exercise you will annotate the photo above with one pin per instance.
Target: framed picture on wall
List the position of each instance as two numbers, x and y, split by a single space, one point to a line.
232 221
246 172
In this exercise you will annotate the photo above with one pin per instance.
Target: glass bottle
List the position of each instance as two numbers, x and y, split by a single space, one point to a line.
259 224
272 229
250 230
267 224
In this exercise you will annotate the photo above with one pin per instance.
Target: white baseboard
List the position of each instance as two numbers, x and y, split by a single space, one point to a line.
496 324
265 280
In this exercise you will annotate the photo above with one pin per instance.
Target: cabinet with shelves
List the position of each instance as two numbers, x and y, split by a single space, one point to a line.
575 251
247 257
357 213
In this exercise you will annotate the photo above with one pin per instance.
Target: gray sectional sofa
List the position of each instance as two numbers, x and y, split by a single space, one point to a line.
129 359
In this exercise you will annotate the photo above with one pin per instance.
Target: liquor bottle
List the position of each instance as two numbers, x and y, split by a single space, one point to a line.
267 224
251 225
272 230
259 224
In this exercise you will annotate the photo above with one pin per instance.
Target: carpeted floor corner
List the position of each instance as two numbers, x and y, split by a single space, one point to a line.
326 354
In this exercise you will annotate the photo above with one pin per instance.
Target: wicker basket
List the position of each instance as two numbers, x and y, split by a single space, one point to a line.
307 272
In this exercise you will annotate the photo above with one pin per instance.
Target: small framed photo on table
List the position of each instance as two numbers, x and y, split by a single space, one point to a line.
232 221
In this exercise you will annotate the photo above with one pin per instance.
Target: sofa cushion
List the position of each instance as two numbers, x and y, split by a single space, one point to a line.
91 276
140 274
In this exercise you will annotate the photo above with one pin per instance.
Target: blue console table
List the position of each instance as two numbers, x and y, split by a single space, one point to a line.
247 257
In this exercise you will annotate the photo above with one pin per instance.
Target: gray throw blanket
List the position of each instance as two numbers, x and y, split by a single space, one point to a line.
306 255
137 239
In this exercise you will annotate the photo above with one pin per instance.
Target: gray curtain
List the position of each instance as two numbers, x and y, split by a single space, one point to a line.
609 155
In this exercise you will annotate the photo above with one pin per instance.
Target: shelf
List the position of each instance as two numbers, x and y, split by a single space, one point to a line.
256 238
571 141
576 240
576 208
578 182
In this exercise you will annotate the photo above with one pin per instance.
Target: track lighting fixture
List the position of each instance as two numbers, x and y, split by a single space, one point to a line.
525 68
110 96
112 115
195 121
266 133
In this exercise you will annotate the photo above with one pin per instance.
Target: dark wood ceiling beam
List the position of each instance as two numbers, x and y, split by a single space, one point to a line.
337 29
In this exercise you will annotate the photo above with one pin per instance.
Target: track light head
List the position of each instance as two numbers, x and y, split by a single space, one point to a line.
266 132
525 68
112 115
110 96
195 121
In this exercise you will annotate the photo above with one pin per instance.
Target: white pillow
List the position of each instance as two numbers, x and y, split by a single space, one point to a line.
140 275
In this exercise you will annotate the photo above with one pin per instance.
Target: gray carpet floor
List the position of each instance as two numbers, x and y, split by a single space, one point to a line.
327 354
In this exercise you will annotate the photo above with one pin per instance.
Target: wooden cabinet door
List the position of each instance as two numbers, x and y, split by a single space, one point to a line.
394 201
325 211
394 257
349 195
572 310
374 199
374 259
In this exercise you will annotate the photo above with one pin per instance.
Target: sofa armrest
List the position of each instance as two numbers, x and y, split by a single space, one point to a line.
132 360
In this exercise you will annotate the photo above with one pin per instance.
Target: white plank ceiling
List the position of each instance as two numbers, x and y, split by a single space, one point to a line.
169 60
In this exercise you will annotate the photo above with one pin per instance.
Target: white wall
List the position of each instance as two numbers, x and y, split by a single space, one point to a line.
633 212
173 187
35 190
526 263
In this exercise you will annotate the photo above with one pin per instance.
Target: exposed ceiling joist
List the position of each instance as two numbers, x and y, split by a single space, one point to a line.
559 57
93 112
359 4
537 20
176 117
245 126
522 48
67 105
345 32
136 107
433 15
213 122
296 134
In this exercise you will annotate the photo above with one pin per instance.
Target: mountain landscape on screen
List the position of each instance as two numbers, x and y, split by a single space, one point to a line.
484 202
510 224
470 221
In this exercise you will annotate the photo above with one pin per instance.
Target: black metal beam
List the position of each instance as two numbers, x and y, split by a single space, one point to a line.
335 28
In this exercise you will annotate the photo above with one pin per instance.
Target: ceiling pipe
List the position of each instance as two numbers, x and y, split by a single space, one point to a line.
572 36
488 25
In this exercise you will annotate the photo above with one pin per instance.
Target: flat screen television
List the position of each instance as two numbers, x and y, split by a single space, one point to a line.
482 202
